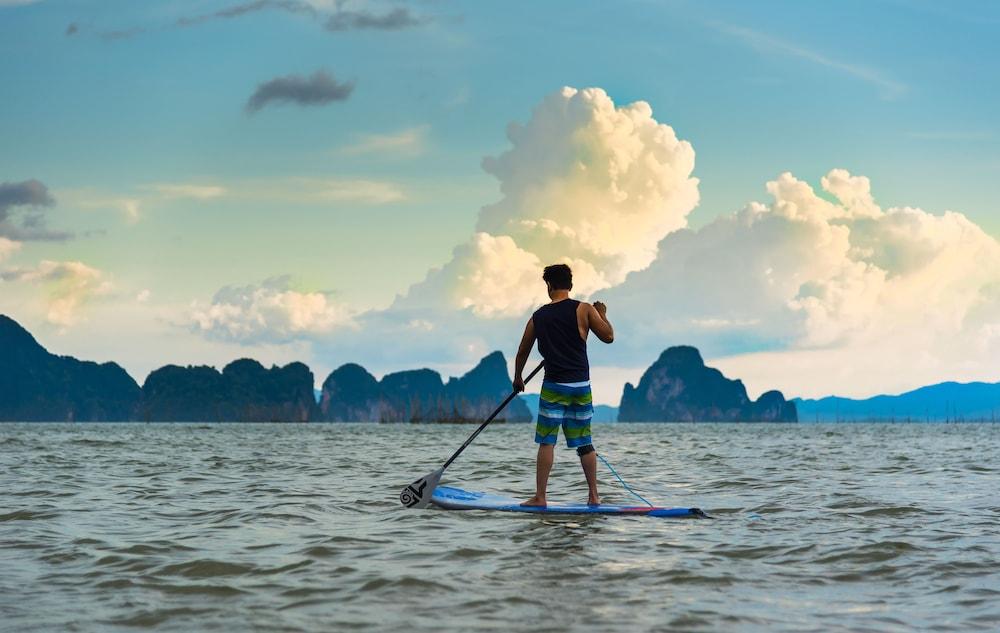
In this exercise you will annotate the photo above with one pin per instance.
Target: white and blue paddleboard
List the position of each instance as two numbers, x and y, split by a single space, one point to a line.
458 499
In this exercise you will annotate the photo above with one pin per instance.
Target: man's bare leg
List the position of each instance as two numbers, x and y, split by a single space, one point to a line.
589 464
543 466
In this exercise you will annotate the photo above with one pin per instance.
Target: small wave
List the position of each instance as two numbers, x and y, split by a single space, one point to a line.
963 569
490 604
304 603
42 494
156 617
284 568
690 577
57 558
197 590
303 592
115 583
27 515
977 468
751 553
870 553
468 553
890 511
320 551
160 547
206 568
86 441
406 582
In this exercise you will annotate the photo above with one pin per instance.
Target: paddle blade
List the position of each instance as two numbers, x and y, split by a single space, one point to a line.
418 494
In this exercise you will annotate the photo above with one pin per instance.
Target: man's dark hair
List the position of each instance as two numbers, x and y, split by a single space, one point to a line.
559 276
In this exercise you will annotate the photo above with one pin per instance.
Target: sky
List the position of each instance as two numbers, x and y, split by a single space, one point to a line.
805 191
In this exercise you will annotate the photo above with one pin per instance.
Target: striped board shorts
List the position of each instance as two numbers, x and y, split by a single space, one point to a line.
566 404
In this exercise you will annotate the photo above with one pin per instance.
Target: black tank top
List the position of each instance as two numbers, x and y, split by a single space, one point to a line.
559 342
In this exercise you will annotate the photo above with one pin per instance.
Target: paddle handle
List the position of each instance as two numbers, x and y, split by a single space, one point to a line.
513 394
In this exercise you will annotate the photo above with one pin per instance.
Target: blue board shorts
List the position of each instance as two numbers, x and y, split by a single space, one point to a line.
569 405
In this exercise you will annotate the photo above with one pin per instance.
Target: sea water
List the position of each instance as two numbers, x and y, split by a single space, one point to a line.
236 527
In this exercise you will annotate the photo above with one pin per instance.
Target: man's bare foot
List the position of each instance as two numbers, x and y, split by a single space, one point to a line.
593 501
535 501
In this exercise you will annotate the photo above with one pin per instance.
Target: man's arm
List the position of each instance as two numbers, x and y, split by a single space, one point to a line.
523 351
597 321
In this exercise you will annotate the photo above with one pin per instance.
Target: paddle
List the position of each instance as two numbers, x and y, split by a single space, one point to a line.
418 494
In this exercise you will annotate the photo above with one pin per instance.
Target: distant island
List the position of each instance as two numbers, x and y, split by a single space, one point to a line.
36 385
943 402
678 387
351 394
244 391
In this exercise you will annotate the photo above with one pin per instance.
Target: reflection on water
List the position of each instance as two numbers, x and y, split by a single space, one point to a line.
297 528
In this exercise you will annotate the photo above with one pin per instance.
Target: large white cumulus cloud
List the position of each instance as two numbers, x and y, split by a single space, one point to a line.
587 180
829 279
584 182
820 290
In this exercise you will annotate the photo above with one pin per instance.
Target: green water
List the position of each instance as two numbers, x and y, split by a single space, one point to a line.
297 528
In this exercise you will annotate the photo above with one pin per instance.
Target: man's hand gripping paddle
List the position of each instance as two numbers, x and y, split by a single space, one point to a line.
419 493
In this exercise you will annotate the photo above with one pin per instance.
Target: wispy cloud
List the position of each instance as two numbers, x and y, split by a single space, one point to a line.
318 89
129 206
337 20
239 10
132 203
171 191
889 88
408 142
356 190
394 20
135 202
319 191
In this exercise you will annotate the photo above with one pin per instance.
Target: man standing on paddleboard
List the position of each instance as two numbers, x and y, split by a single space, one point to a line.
561 328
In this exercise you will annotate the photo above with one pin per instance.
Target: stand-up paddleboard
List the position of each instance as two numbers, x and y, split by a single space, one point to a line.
458 499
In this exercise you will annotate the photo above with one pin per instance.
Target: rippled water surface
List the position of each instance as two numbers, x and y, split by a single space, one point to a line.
297 528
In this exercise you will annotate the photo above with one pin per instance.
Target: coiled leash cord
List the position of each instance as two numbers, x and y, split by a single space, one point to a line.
619 477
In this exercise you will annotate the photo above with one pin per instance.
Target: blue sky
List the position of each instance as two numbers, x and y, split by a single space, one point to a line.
138 130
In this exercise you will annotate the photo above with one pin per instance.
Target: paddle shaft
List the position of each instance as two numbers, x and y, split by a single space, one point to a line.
482 426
